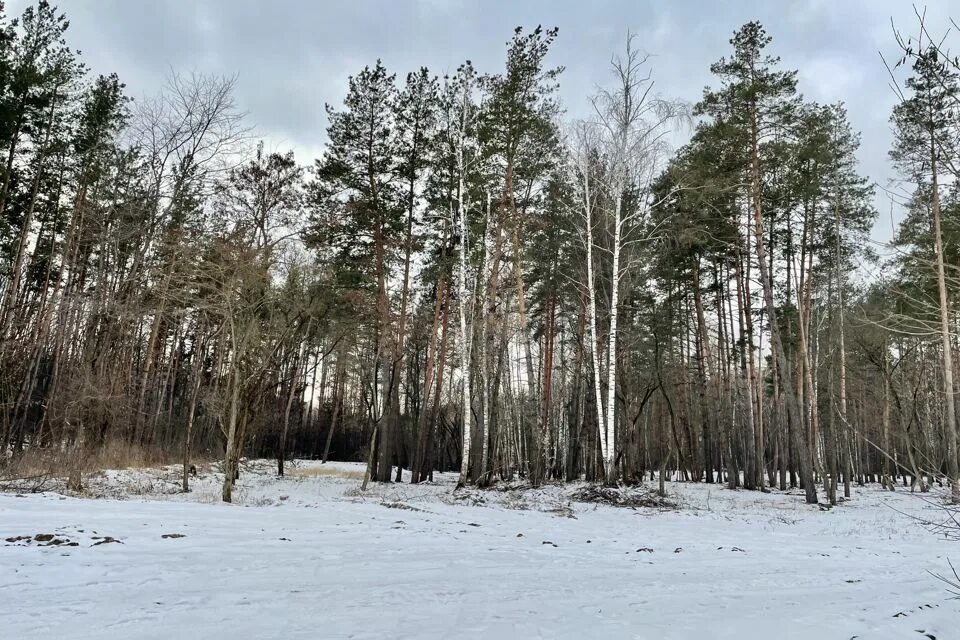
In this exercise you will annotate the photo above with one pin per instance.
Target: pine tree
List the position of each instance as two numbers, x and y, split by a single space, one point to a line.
756 100
415 113
360 219
517 130
925 127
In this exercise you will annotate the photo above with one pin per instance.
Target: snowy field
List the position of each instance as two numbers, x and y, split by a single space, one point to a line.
309 556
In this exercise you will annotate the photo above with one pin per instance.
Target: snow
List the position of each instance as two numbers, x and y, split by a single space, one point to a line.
310 556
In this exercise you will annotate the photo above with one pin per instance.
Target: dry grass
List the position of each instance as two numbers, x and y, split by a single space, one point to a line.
32 472
121 455
45 469
326 472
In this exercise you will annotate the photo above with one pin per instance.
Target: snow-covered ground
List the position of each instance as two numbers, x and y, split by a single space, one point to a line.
310 556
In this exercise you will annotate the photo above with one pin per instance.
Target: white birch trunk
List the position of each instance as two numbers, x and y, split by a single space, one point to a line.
464 346
610 450
484 364
592 294
465 336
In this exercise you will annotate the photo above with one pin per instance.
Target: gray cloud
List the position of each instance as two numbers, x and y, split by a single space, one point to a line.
291 56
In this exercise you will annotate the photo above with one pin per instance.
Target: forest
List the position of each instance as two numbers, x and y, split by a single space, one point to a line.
467 279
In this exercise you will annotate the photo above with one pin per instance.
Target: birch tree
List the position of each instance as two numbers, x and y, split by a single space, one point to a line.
461 92
630 126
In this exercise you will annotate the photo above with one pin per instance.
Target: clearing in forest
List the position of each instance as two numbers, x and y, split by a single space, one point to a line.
310 556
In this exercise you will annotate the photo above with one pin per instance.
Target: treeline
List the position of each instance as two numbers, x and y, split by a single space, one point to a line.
468 280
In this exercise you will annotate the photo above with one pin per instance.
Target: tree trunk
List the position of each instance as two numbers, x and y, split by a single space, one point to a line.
950 415
793 409
282 446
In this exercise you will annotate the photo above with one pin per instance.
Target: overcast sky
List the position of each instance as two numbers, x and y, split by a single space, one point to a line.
293 56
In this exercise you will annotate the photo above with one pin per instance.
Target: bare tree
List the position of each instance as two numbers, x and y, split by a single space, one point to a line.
626 141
